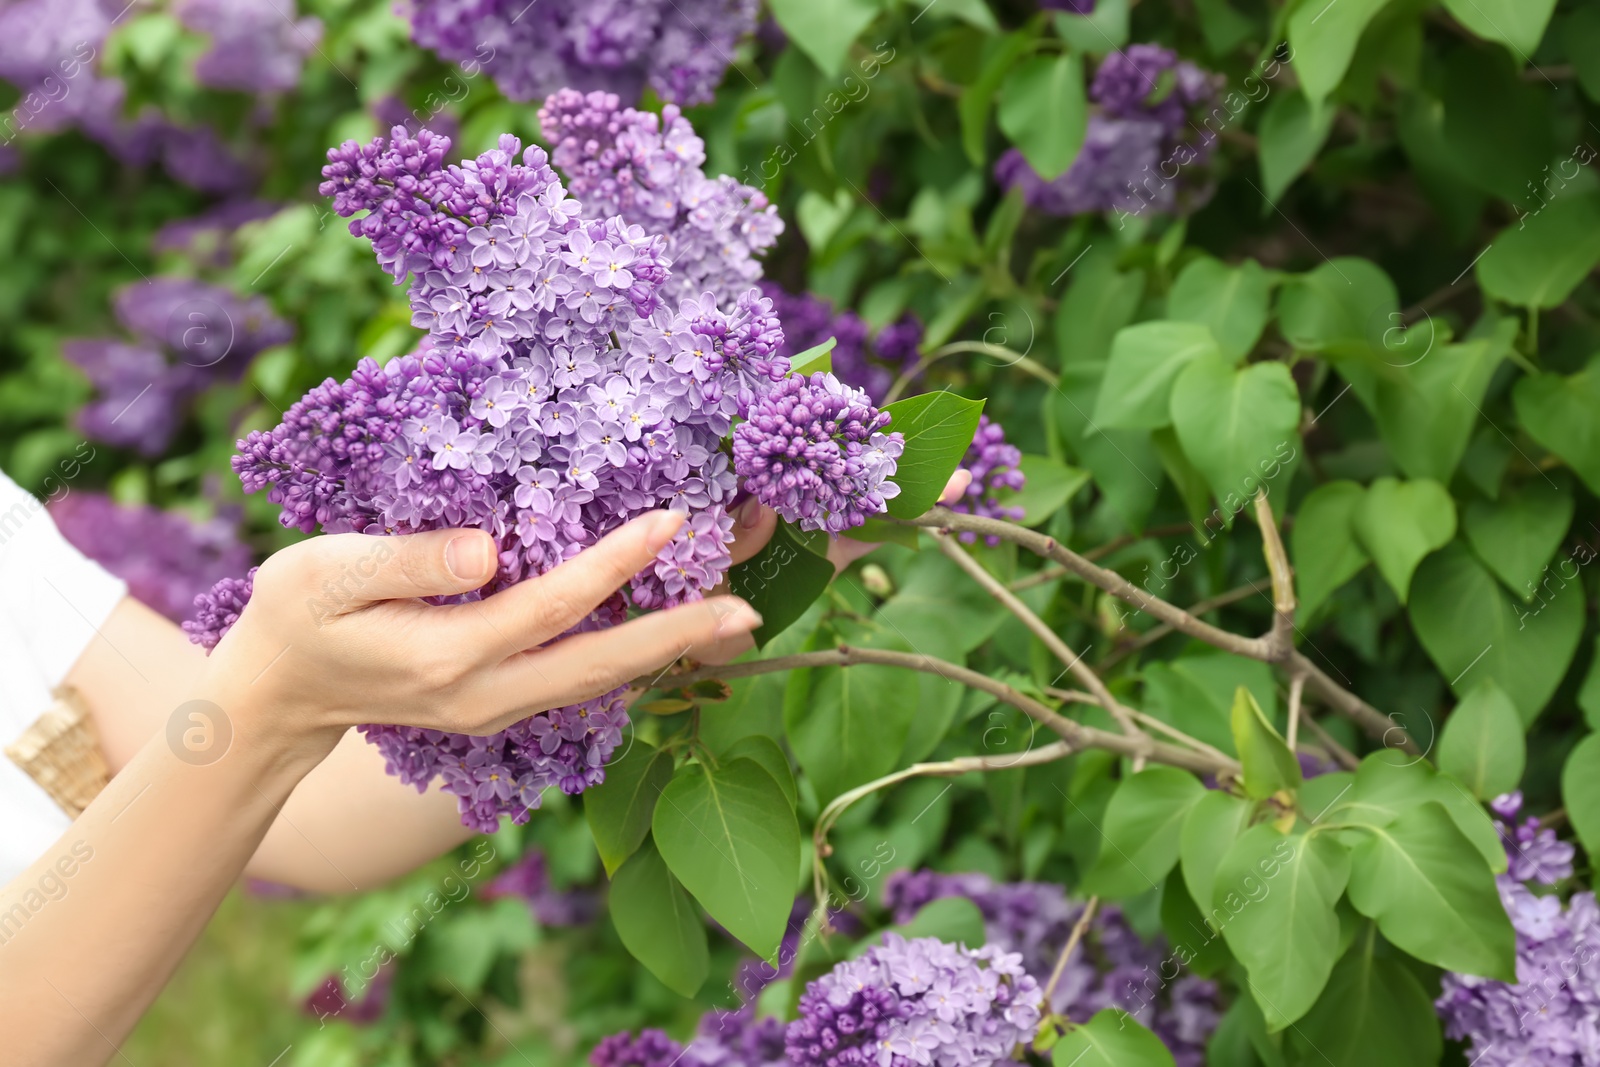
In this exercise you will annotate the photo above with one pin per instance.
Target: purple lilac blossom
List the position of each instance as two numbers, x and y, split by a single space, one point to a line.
647 170
189 335
166 558
529 879
871 366
1145 96
1071 7
995 464
555 397
923 1001
680 48
216 610
813 450
1113 968
257 46
329 1000
1550 1017
206 237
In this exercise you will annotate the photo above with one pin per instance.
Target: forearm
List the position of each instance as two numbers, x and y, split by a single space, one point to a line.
92 931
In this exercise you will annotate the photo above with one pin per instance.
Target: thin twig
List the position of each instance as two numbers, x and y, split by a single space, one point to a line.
1297 688
1050 574
1199 607
1078 696
1280 638
1071 660
1079 928
1341 755
983 348
1075 734
1332 693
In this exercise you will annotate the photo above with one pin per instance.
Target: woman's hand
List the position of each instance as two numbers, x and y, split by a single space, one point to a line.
334 634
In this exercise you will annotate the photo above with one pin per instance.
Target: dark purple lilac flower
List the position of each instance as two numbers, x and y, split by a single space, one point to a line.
1142 151
862 363
1071 7
529 879
216 610
652 1048
814 451
166 558
995 464
257 46
680 48
918 1002
330 1001
1113 968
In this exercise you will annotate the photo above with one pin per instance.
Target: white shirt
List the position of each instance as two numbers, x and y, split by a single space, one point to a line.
52 603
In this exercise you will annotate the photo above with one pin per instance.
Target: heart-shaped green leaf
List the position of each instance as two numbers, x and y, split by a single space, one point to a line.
1323 543
1538 262
1323 37
1145 358
658 922
1482 743
824 29
1112 1038
1291 136
1269 767
619 809
1516 535
1580 791
1139 837
1517 23
1238 428
1232 301
1559 413
1399 523
938 429
1043 111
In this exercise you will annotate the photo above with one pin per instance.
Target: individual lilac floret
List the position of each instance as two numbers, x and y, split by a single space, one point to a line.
1113 967
647 170
1550 1017
680 48
529 879
166 558
995 464
256 45
918 1002
814 450
1141 130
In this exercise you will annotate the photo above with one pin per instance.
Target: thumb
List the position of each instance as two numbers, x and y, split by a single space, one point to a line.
354 570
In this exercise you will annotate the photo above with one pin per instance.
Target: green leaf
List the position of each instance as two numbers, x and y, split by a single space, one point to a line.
1517 23
1400 523
1103 30
938 429
1047 487
1344 304
1389 782
819 217
1589 692
1291 135
1194 943
1277 895
1516 535
855 724
1268 764
1145 358
974 12
824 29
1125 464
1424 884
1558 412
1323 543
730 837
619 808
1472 629
953 919
815 358
1112 1038
1043 111
1538 262
780 582
1236 427
1373 1013
1323 37
1232 301
1099 301
1497 129
1195 691
658 922
1209 831
1427 400
1580 792
972 108
1139 836
765 751
1482 743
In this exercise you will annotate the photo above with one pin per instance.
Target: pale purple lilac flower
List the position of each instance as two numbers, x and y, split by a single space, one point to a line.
996 464
679 48
257 46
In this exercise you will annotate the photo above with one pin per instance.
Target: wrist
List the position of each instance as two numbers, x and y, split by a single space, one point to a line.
246 726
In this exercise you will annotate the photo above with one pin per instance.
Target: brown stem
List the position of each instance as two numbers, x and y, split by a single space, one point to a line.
1050 574
1341 755
1280 640
1199 607
1297 688
1079 928
1078 696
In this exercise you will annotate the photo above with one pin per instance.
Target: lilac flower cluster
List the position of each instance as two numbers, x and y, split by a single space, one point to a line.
529 879
329 1000
205 237
1113 967
647 170
923 1001
216 610
680 48
730 1039
1141 127
256 46
995 464
166 558
870 365
813 449
188 335
1550 1017
555 397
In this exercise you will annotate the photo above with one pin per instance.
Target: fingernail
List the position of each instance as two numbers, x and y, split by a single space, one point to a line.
664 527
470 559
740 618
750 514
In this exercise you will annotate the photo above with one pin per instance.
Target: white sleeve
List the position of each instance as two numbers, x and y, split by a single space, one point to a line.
53 600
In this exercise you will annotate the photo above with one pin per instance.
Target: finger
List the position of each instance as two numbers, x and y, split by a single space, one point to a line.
753 527
586 665
350 571
532 612
956 487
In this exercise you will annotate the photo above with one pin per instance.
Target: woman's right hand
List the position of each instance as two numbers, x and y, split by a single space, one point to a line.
334 635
